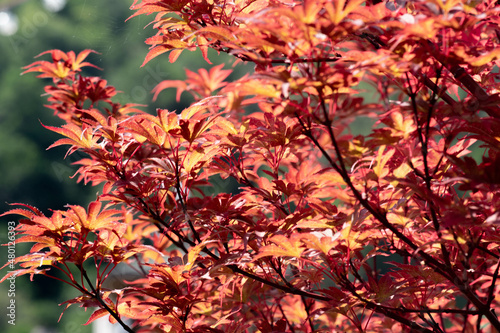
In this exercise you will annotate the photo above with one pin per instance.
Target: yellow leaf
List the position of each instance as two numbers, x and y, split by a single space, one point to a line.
382 159
485 58
402 170
338 10
226 125
398 219
281 247
322 242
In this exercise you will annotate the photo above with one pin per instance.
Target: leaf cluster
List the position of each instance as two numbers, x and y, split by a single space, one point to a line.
329 231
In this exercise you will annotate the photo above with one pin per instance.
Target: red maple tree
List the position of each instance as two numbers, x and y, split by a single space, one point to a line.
393 230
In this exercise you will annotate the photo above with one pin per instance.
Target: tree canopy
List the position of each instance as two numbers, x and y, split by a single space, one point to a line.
390 230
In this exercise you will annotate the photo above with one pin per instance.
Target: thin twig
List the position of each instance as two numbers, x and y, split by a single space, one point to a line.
96 294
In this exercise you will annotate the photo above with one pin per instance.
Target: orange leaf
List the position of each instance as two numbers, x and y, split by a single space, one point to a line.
174 55
180 85
96 315
154 52
217 33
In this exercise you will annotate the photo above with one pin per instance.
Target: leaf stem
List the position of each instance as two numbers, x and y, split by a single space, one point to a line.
96 294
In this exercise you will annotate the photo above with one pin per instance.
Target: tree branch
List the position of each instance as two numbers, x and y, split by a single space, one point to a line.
96 294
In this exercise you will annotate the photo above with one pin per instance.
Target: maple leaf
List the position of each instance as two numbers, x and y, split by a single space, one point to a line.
63 64
281 246
203 83
93 218
76 136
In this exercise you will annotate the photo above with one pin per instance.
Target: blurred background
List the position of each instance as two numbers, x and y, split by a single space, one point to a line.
33 175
